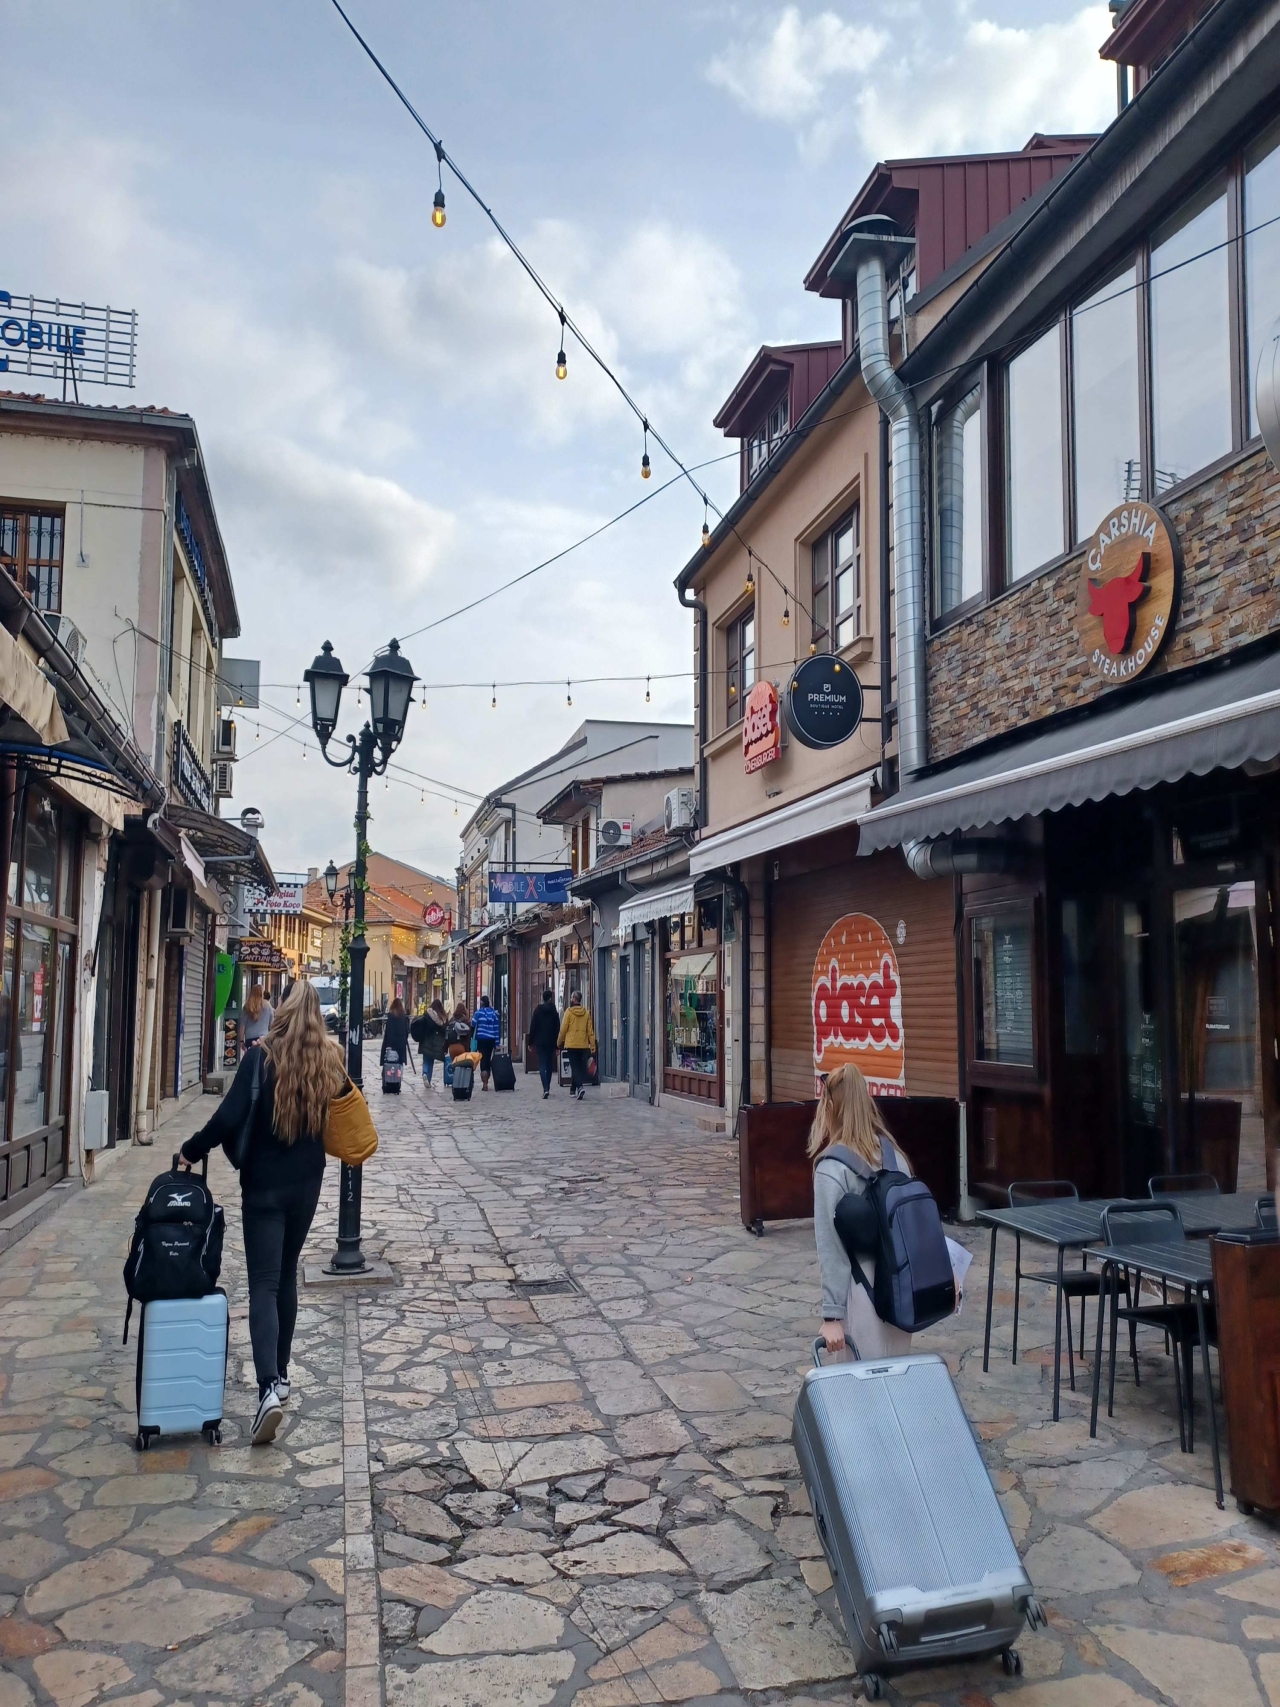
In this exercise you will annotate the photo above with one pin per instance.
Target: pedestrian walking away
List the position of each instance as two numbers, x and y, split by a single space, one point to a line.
300 1068
428 1032
848 1120
544 1029
395 1036
578 1035
256 1020
487 1025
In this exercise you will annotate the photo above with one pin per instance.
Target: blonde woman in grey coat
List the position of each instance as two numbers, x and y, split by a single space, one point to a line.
848 1143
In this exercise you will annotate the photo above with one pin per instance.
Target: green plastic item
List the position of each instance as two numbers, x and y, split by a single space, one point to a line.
224 974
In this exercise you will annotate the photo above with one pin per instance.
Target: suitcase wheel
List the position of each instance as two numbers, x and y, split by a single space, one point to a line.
872 1685
212 1434
1011 1660
1036 1617
888 1637
144 1438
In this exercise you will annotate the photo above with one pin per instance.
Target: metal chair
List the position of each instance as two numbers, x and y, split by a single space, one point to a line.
1148 1223
1079 1285
1178 1185
1264 1211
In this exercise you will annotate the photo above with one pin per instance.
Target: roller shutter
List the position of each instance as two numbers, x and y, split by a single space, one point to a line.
193 996
918 920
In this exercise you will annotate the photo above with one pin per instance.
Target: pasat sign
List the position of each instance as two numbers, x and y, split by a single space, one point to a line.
54 339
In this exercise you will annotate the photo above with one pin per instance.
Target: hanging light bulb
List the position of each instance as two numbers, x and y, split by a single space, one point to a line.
750 588
813 647
562 363
437 201
786 614
706 527
493 706
297 698
646 690
644 460
568 693
455 808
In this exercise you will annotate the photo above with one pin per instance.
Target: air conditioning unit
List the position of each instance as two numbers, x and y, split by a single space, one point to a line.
224 779
224 740
95 1120
614 833
67 635
181 913
680 810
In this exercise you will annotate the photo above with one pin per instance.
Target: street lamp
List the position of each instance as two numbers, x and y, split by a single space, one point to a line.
391 680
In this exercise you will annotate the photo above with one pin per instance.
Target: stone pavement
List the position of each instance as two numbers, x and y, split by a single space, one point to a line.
551 1464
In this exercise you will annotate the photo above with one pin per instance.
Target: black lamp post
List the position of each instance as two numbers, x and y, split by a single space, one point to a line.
391 680
331 875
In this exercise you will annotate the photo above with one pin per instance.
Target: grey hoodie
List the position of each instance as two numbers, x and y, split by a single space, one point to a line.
831 1180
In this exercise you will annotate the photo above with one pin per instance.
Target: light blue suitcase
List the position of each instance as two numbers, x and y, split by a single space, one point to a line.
182 1367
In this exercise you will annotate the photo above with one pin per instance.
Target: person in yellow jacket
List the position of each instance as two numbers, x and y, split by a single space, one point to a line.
578 1036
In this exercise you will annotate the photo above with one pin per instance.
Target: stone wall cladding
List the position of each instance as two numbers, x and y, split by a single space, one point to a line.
1020 659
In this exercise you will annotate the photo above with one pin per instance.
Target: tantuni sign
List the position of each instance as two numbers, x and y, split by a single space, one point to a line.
857 1005
1128 590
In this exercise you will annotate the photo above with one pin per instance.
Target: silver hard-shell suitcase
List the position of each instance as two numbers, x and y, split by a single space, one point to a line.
923 1563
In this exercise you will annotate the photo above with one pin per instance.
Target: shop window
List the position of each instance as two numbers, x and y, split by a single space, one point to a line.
40 865
1190 339
958 452
1003 985
693 1017
35 1004
1261 252
740 662
839 599
1081 977
1034 455
1104 369
31 551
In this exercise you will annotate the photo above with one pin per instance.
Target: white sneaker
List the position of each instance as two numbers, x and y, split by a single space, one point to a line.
270 1416
283 1388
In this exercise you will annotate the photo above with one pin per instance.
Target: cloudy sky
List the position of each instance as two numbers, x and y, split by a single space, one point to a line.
376 399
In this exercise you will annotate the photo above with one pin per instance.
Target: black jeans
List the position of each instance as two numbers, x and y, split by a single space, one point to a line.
546 1066
578 1059
273 1241
486 1046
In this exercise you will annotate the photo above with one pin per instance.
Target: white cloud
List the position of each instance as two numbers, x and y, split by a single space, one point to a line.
935 83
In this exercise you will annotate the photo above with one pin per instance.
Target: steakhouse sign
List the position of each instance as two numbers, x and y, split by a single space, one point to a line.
761 728
1128 591
857 1005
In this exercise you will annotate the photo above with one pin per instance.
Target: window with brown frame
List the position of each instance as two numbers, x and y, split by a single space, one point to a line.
31 551
839 597
740 663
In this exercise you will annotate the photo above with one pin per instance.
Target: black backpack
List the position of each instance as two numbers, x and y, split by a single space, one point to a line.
176 1250
897 1222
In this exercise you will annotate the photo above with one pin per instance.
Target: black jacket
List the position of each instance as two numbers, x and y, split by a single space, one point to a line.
395 1035
544 1027
275 1175
429 1037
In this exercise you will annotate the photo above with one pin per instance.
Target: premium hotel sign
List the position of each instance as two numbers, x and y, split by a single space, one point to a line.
55 339
1128 591
857 1005
761 728
824 701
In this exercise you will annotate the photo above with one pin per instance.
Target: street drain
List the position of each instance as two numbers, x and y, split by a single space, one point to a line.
544 1288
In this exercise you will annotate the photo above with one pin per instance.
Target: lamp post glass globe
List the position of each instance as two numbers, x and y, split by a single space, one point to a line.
391 680
331 879
326 679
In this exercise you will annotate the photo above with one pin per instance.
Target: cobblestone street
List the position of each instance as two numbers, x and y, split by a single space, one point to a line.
551 1464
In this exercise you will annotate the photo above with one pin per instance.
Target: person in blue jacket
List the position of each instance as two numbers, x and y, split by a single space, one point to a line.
487 1026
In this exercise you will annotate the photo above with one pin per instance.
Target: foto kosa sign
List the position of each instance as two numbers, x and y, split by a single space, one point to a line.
761 728
1128 591
857 1005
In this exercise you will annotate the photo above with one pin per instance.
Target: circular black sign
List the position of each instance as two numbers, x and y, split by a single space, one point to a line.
824 701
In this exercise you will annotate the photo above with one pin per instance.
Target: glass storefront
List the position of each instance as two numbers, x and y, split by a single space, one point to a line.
694 1044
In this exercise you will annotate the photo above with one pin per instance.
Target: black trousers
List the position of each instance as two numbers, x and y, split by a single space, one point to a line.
273 1241
486 1046
546 1066
578 1059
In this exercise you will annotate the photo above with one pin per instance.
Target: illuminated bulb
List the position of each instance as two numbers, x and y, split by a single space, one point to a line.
733 692
813 647
437 210
646 690
644 466
562 365
455 808
750 588
786 616
493 706
568 693
706 536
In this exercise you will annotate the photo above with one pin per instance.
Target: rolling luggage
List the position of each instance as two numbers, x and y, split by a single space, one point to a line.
392 1073
464 1075
182 1367
925 1568
504 1074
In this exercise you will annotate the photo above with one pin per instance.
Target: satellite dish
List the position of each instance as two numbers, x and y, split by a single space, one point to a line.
1267 393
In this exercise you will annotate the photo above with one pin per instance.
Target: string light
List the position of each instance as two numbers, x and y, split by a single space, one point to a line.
297 700
813 647
455 808
562 363
646 690
706 527
750 588
644 460
786 616
437 201
493 706
568 694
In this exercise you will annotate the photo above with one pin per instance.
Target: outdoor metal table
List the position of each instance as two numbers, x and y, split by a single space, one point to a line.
1069 1224
1188 1264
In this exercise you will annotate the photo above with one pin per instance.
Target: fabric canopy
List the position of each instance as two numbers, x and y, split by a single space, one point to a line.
656 904
834 808
1220 720
25 688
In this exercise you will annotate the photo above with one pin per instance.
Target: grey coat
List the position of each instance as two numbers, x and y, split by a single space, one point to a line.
832 1178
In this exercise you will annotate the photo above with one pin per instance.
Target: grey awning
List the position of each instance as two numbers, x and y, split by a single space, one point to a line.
1216 721
653 904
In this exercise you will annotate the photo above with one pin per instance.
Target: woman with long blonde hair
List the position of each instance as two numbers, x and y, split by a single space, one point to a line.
848 1143
256 1020
298 1071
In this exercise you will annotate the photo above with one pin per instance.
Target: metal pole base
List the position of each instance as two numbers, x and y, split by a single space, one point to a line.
348 1258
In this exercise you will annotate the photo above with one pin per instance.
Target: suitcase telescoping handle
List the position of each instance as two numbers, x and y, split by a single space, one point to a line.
820 1345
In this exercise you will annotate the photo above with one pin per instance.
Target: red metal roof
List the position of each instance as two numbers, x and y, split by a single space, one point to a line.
1149 30
800 369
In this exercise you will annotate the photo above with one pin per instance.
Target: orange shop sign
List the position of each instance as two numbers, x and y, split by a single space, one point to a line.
761 728
857 1005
